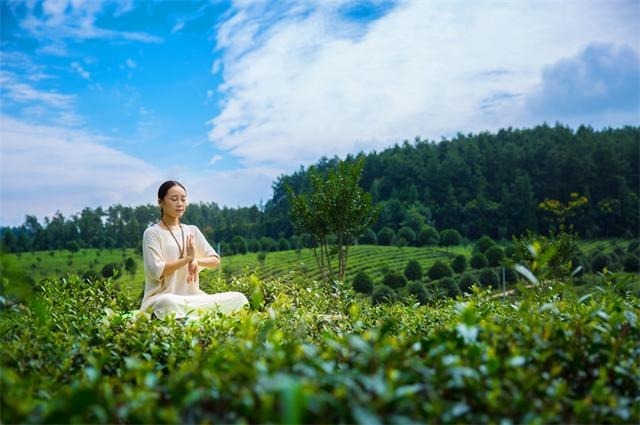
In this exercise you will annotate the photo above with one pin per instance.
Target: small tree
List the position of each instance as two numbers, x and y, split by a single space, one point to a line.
449 286
417 290
254 245
494 255
478 261
413 270
484 243
394 279
362 283
383 294
408 234
239 245
466 282
459 264
428 236
110 270
450 237
337 205
369 238
386 235
439 270
488 278
130 266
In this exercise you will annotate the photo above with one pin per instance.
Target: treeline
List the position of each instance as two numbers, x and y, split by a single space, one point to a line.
499 185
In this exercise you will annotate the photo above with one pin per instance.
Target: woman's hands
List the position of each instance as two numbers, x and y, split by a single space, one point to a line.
192 267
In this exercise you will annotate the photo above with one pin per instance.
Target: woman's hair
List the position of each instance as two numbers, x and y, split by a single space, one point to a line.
164 188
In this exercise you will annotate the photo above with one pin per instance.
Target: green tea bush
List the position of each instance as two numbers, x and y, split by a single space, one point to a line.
306 352
413 270
494 255
631 263
466 282
439 270
362 283
478 261
394 279
417 290
488 278
459 264
600 261
484 243
383 294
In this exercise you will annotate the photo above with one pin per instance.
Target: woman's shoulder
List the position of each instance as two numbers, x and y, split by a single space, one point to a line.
153 229
192 228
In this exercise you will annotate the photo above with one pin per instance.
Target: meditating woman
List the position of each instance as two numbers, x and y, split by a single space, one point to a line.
174 254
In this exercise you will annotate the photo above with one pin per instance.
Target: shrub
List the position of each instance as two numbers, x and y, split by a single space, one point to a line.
110 270
283 244
130 265
459 264
488 278
510 275
428 236
239 245
450 237
382 294
90 276
494 255
394 279
408 234
261 257
439 270
268 244
254 245
449 286
509 251
600 261
386 235
400 242
631 263
369 237
478 261
484 243
466 282
413 270
633 246
417 290
362 283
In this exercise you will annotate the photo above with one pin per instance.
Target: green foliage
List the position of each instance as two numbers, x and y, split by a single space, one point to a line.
484 243
369 237
439 270
382 294
417 290
488 278
479 261
459 263
466 282
632 263
75 353
336 206
362 283
428 236
413 270
450 237
600 261
253 245
386 236
449 286
239 245
408 234
394 279
111 270
495 255
130 266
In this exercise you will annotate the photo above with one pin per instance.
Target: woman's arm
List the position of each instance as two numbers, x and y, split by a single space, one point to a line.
172 266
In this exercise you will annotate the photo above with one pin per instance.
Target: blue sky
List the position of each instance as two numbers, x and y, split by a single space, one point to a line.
104 100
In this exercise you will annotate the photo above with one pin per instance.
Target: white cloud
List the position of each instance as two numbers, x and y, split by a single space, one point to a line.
303 85
59 20
177 27
131 63
215 159
51 168
18 91
80 70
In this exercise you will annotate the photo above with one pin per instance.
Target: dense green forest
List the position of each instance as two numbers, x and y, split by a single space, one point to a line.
499 185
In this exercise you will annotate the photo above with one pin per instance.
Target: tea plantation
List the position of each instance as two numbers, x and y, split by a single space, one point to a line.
75 350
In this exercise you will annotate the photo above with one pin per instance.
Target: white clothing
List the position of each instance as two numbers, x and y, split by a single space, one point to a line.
172 293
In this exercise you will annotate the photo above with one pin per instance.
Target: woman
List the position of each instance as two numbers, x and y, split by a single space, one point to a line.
174 254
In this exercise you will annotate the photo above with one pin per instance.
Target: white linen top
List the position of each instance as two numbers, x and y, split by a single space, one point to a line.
159 247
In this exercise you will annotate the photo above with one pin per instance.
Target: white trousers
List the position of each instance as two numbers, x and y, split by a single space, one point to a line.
192 306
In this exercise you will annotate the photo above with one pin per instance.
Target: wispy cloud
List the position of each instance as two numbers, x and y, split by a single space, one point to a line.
53 22
306 80
80 70
50 168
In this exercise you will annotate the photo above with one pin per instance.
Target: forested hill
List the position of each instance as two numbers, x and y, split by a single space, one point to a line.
485 183
493 183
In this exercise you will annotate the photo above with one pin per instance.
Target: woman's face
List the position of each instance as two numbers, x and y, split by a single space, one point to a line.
174 203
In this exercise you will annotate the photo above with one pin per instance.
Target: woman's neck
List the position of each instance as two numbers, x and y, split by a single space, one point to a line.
170 221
